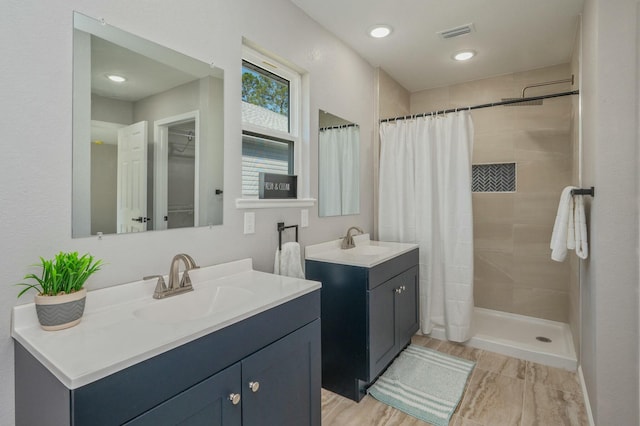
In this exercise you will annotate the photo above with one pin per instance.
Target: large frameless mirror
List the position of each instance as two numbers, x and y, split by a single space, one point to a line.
338 166
148 135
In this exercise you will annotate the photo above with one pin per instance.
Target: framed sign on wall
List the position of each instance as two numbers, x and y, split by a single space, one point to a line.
273 186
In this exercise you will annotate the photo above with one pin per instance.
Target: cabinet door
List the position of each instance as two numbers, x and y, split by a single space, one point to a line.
281 383
406 307
382 342
207 403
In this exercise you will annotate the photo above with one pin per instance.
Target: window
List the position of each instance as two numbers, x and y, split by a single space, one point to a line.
263 154
265 98
270 111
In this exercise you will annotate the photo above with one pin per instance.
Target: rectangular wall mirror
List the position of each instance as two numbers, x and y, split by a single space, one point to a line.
338 166
148 134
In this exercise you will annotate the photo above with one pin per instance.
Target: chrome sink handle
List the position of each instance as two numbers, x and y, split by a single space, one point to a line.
161 287
186 280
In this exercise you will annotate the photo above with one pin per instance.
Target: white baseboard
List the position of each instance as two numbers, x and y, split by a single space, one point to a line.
585 395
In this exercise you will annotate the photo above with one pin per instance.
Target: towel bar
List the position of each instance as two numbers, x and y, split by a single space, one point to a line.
590 191
281 228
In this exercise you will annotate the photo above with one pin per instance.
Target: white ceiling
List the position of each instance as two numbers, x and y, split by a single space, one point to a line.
145 76
509 36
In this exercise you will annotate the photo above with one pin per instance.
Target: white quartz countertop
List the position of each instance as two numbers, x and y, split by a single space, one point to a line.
367 253
123 325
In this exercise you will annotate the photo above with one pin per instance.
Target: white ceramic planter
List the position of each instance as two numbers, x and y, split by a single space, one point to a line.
60 312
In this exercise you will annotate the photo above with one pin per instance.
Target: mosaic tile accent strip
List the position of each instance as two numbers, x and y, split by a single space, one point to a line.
493 177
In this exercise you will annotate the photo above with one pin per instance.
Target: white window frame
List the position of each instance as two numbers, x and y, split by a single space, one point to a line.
294 134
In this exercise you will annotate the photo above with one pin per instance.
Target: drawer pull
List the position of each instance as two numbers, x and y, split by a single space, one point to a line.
234 398
254 386
398 290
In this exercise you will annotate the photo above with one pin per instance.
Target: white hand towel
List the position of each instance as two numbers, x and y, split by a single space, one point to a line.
560 234
580 222
287 261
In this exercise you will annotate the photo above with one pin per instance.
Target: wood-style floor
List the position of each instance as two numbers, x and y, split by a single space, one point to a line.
501 391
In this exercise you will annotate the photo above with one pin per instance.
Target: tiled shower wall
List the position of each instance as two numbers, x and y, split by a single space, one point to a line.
512 230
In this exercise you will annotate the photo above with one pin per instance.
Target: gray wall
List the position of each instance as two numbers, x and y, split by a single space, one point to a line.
38 84
111 110
609 279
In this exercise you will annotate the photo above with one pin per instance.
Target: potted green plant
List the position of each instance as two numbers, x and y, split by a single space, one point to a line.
60 285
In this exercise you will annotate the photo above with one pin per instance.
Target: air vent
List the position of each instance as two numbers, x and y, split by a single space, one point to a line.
457 31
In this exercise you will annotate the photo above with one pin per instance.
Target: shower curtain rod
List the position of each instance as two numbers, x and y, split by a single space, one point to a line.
489 105
343 126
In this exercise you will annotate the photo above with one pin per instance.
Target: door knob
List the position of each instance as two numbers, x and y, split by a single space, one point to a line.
234 398
141 219
398 290
254 386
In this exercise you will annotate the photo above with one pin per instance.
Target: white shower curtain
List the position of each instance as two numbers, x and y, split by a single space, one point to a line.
425 198
339 173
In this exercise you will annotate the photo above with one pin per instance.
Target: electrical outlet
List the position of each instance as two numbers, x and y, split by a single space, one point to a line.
304 218
249 222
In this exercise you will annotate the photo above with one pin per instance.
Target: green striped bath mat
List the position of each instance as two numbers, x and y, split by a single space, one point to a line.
424 383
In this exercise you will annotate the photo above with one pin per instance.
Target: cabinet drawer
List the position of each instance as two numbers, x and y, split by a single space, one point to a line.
389 269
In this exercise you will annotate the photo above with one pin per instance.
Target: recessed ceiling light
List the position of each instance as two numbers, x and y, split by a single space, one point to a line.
116 78
464 55
379 31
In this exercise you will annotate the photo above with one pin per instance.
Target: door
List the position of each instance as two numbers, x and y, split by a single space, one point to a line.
132 178
281 383
215 401
173 142
382 342
406 307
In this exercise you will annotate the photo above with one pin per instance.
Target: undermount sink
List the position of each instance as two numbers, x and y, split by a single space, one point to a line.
367 250
198 304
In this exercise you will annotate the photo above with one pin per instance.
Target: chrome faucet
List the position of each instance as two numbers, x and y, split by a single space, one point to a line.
176 285
347 241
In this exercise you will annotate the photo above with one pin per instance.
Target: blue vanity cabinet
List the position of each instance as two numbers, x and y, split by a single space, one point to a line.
368 316
192 384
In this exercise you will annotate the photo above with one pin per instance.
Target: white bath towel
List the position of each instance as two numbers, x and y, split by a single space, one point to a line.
580 223
569 229
287 261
